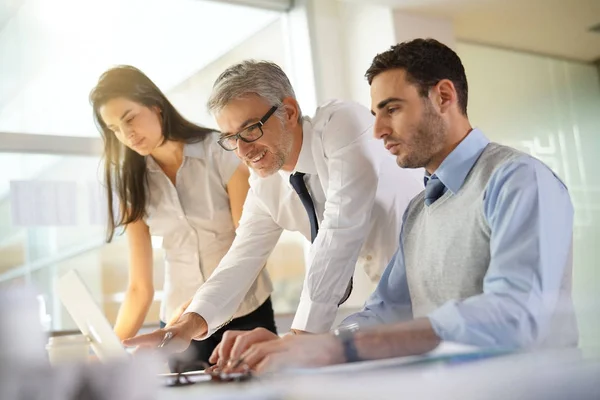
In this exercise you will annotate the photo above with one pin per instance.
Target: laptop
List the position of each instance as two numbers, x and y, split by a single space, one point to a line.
88 316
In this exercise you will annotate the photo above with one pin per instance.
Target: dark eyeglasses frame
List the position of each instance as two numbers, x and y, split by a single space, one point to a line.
239 135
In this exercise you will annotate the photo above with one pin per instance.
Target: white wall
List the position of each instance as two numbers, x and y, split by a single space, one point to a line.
346 36
548 108
368 30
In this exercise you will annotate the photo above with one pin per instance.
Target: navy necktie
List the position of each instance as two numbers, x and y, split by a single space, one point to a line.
297 182
434 189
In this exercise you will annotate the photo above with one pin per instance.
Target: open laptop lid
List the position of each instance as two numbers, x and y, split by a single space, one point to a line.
87 314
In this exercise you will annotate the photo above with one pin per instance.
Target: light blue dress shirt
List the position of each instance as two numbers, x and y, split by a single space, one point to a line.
530 215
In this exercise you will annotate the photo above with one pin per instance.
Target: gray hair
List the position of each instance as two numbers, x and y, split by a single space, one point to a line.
262 78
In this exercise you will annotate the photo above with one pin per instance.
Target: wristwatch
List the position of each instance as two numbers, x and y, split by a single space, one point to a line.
345 335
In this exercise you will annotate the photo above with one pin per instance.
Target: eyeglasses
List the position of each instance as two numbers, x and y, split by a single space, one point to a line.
182 378
249 134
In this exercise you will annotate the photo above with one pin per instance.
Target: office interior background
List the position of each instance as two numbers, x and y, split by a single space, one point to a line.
533 68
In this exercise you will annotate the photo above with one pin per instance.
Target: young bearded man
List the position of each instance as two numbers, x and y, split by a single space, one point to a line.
485 255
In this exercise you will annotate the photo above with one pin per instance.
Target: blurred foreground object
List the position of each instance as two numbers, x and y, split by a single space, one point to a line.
25 372
68 349
21 336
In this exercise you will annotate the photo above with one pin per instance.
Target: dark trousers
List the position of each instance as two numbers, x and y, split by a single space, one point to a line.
200 350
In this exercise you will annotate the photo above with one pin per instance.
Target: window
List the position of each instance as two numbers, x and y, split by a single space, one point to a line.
52 205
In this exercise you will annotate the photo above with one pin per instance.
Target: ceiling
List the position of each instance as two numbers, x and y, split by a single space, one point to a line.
552 27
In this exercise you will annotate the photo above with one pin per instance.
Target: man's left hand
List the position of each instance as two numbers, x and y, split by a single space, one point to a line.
294 351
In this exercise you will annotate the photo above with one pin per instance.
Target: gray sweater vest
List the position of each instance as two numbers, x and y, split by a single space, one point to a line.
447 249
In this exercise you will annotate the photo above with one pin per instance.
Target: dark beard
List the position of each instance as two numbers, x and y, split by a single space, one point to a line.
429 139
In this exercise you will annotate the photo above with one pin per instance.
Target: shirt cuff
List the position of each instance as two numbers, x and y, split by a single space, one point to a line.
206 311
314 317
446 322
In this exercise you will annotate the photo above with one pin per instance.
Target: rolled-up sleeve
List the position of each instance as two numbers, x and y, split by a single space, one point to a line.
530 215
390 302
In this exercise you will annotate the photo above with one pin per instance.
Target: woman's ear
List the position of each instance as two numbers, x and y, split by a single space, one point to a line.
159 114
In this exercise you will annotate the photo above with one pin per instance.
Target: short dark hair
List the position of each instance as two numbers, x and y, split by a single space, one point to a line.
426 62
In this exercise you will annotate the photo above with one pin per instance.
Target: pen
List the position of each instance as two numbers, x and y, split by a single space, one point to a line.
166 339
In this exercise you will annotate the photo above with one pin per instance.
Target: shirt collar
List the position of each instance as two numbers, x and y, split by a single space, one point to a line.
306 163
193 150
456 166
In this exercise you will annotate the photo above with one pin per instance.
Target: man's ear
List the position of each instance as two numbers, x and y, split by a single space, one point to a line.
292 110
443 95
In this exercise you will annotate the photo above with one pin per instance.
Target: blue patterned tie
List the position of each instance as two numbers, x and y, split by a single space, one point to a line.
297 182
434 189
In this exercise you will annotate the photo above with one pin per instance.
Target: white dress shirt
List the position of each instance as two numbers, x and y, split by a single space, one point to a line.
360 195
194 219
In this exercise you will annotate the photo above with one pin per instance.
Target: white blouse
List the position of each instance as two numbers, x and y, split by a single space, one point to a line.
194 219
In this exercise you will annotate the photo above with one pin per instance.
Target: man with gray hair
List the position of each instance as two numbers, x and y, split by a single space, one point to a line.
485 252
326 177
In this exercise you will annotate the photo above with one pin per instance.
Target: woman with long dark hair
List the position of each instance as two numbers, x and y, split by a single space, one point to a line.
172 180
